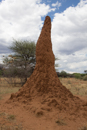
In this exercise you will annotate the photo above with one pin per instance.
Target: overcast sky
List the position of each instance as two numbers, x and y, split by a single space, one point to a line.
23 20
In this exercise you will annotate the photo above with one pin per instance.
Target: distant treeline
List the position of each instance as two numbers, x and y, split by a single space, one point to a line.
74 75
20 73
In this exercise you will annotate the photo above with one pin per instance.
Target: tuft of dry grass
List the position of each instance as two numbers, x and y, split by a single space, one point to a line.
9 118
60 122
83 127
15 127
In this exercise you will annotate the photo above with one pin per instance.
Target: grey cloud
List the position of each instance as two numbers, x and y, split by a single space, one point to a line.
67 52
70 50
72 46
3 47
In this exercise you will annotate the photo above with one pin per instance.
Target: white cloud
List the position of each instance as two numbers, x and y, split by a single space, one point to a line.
57 4
69 36
76 62
21 19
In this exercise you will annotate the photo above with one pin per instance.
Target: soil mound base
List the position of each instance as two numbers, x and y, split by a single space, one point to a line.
43 86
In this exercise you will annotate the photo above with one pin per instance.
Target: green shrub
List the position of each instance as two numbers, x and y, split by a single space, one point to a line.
85 77
63 74
77 75
82 75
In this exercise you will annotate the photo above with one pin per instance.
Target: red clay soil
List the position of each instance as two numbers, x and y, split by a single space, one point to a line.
26 117
44 96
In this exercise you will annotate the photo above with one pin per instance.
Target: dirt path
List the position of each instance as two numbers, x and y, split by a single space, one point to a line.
18 116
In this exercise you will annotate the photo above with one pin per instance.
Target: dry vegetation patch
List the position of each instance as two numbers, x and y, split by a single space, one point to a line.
76 86
6 88
60 122
10 82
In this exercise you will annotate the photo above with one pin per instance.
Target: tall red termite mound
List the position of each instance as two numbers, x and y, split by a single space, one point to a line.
44 79
43 85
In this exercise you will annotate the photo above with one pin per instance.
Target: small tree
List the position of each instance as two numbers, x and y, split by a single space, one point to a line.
63 73
21 63
77 75
85 78
85 71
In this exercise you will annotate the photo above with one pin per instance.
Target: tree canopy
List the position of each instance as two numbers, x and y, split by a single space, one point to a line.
22 60
23 53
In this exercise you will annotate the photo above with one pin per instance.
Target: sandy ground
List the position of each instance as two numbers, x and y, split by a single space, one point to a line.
27 119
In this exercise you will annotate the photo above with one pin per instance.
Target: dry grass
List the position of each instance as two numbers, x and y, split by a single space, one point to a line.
76 86
11 117
10 82
16 127
6 88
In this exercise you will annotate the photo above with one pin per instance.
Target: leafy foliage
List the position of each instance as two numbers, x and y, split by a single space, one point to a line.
85 78
85 71
77 75
24 53
63 73
22 62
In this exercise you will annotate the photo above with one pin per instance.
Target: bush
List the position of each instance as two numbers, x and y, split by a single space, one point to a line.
85 77
77 75
82 75
21 73
63 74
